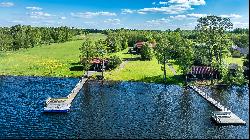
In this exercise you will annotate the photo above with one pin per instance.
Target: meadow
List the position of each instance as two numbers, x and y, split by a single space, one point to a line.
55 60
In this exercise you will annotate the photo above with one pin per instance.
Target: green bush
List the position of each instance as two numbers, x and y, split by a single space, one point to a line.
236 54
146 52
114 62
234 77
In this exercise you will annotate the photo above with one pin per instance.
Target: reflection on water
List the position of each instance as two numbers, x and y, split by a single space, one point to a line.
115 110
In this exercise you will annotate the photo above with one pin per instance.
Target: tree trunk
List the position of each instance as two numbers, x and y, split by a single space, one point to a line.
164 67
87 60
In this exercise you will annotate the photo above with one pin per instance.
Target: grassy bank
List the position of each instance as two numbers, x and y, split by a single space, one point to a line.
57 60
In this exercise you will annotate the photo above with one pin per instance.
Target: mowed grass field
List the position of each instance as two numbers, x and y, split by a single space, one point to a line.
54 60
143 71
238 61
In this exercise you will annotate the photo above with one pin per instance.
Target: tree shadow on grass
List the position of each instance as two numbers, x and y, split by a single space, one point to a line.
132 59
77 63
76 67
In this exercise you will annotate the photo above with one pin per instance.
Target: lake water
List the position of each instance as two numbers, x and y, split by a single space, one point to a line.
115 110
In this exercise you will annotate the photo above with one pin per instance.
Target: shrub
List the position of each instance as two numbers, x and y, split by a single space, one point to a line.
114 62
236 54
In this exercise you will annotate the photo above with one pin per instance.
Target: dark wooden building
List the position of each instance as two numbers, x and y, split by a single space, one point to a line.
202 72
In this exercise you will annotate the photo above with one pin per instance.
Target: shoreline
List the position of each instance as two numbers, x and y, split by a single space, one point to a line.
119 81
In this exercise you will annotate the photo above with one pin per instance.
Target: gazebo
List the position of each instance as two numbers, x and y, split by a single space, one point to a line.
202 72
97 64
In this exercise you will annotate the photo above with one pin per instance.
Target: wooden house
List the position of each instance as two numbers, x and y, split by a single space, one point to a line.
139 44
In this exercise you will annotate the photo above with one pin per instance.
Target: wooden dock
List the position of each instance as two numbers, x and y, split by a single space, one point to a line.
63 104
224 116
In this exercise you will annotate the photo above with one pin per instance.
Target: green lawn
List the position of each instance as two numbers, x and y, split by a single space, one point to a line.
238 61
145 71
58 59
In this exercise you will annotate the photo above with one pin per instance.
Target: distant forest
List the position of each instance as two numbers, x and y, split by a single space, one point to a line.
24 36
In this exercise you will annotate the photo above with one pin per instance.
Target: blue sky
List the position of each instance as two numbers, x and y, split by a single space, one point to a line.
111 14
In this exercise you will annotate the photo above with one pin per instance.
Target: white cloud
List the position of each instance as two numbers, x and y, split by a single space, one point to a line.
163 3
17 21
231 16
196 15
113 21
189 2
127 11
240 25
178 17
34 8
92 14
6 4
39 15
62 17
172 9
89 22
140 12
158 21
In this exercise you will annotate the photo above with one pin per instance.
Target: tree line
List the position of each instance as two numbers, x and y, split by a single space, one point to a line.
25 36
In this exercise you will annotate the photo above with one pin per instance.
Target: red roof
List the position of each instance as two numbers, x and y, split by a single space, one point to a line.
139 44
97 61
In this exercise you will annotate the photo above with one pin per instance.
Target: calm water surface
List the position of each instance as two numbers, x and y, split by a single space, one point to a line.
115 110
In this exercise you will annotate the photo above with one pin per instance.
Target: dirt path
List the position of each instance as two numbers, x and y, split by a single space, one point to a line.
123 64
172 69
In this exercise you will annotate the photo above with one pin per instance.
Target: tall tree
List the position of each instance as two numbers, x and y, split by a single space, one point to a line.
87 53
212 34
163 51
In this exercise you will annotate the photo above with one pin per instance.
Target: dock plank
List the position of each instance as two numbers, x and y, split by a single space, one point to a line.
220 119
63 104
